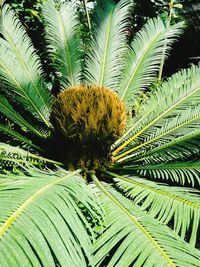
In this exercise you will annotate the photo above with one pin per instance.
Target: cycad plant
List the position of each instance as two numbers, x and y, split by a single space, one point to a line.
105 171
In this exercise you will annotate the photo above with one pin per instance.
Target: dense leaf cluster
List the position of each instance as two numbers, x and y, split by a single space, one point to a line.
142 209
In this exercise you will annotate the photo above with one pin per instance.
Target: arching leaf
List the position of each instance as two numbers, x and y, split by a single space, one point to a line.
134 238
177 114
104 62
61 33
178 205
9 112
180 172
8 131
142 61
41 219
20 67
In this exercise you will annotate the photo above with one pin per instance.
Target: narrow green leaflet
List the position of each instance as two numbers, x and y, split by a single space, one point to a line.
20 67
8 131
41 219
142 62
181 148
8 111
167 131
136 239
61 33
105 214
16 156
104 61
177 113
165 203
179 172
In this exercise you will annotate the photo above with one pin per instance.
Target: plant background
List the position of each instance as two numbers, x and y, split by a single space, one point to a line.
185 51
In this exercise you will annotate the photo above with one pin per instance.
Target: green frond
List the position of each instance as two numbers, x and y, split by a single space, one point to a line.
8 111
20 67
175 115
93 217
179 172
182 148
42 222
105 60
10 132
63 43
179 206
136 239
178 126
172 85
11 156
143 60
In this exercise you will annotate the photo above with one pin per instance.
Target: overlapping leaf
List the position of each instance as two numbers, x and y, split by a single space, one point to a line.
16 156
41 222
10 132
8 111
136 239
104 63
143 60
52 218
166 203
63 44
20 67
176 116
179 172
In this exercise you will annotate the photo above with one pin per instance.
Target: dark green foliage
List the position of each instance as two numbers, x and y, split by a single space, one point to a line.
141 209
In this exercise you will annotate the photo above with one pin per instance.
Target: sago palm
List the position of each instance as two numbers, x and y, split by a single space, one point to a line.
105 171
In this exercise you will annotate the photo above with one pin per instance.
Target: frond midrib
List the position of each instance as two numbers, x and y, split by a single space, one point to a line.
168 166
155 120
18 136
171 196
133 219
34 130
173 143
139 62
67 53
103 65
9 221
21 88
32 81
155 138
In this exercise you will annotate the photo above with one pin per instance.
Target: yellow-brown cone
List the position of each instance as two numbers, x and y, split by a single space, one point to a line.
90 118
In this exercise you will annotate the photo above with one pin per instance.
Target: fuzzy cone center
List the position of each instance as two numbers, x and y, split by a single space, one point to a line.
88 119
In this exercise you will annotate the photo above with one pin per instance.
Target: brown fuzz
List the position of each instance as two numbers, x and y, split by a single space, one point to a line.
90 119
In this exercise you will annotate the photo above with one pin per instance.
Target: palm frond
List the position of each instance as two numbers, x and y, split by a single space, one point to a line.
63 44
173 84
104 62
53 217
179 172
182 148
20 67
165 203
135 239
40 216
11 156
177 100
8 111
11 132
167 131
142 62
